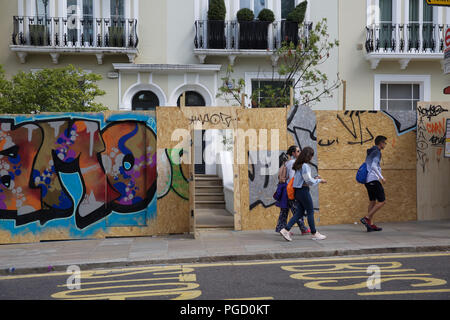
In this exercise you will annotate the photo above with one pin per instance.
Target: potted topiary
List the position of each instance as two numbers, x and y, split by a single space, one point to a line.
265 17
245 18
216 24
289 27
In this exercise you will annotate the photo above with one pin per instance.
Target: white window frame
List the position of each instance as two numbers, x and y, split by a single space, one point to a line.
424 82
263 76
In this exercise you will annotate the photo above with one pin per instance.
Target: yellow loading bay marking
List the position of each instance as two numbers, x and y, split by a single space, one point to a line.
183 284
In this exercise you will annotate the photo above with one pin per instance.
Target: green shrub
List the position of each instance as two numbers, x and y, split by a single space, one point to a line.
245 14
298 14
266 15
217 10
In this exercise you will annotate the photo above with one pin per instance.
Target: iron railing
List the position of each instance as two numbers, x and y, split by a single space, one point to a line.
75 31
254 35
405 38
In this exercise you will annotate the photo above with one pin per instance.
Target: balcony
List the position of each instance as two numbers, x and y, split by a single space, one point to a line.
74 35
245 39
404 43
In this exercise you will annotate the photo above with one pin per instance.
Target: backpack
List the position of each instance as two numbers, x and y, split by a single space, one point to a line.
361 174
290 189
282 174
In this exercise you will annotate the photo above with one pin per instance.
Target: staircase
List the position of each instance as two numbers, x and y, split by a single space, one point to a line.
210 209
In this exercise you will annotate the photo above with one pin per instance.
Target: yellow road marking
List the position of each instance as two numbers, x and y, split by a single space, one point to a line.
102 272
255 298
379 293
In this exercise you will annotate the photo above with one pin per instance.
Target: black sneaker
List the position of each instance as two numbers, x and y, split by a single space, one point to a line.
365 222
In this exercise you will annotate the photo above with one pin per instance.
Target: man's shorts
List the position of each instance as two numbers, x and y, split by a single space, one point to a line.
375 191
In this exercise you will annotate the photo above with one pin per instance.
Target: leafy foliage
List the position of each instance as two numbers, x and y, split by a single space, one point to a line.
217 10
67 89
298 67
245 14
266 15
231 91
298 14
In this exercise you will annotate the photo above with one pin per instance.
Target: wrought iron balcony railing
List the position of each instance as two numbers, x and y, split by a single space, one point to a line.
405 38
253 35
74 31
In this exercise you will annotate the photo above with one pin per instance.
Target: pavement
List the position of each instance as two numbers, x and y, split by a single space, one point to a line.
218 245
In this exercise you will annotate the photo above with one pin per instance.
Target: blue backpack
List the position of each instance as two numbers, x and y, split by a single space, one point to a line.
361 174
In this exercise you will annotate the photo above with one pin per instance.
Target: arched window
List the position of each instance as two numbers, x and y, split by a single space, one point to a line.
193 99
144 100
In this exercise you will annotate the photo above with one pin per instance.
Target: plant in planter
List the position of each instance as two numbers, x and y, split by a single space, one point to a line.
216 24
116 36
253 34
266 15
289 27
38 35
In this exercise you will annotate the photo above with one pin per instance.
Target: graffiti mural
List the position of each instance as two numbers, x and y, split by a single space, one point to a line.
78 165
170 173
430 132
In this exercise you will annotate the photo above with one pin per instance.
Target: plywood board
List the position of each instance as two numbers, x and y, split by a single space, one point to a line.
433 169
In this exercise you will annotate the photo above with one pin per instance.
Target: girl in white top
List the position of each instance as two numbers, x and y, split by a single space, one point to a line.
302 181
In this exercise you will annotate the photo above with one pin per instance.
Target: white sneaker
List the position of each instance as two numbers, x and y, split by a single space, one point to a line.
286 234
318 236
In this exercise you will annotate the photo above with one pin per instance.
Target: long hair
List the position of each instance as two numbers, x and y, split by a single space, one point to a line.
305 157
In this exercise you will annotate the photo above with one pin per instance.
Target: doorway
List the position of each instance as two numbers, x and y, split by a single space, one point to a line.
213 181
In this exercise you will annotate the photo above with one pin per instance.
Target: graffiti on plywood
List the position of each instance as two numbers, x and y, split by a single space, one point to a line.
78 165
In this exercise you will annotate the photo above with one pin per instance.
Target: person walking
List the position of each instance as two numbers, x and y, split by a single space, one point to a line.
281 196
373 184
302 182
293 152
284 176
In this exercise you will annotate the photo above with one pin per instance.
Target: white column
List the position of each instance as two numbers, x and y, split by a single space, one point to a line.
277 10
396 17
127 15
406 24
21 13
96 28
437 20
420 24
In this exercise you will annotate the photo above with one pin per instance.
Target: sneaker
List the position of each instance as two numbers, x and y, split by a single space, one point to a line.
375 228
365 222
306 231
286 234
318 236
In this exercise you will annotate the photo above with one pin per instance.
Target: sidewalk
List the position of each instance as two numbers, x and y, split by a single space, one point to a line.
224 245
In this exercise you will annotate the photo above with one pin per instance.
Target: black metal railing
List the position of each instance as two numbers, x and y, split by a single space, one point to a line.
257 35
405 38
75 31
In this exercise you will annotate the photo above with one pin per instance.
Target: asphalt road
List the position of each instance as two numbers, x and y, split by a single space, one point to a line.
386 277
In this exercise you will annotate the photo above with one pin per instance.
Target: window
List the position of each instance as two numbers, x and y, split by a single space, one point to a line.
394 92
286 7
385 23
399 96
144 100
193 99
255 5
80 21
42 8
262 98
415 20
117 8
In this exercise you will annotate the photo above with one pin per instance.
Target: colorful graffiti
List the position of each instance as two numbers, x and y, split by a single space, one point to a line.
80 165
170 173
